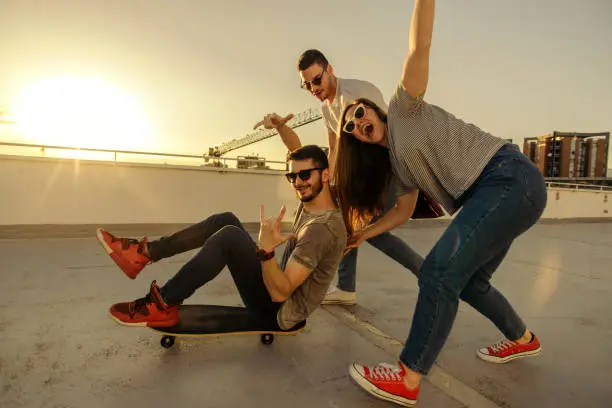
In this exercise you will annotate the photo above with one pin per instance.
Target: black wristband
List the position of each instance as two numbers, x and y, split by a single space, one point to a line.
263 255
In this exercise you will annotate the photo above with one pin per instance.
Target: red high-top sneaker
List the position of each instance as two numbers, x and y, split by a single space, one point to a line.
128 253
150 310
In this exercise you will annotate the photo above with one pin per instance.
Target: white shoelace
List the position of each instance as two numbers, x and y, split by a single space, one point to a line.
501 346
387 372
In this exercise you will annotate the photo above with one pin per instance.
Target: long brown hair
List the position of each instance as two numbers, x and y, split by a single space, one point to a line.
362 173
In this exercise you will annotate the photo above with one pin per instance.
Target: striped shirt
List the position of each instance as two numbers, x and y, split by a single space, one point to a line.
433 151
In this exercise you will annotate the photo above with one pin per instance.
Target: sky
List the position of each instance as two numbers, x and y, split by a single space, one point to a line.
181 76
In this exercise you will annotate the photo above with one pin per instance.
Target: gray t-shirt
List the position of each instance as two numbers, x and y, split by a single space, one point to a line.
432 150
320 243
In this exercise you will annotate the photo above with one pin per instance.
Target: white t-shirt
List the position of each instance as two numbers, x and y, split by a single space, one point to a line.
347 91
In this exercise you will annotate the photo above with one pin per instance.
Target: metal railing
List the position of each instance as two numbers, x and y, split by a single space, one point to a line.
578 186
86 153
215 162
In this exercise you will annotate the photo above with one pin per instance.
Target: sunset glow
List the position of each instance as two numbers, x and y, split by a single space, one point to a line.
81 112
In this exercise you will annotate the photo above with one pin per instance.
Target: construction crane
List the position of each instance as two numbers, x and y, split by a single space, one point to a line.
301 119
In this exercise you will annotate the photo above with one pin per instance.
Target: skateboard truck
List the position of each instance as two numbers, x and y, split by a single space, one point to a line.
168 341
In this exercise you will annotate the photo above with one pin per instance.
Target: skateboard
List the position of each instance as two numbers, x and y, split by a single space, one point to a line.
213 320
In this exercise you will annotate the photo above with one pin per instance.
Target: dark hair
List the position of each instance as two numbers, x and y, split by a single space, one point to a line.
362 173
313 152
310 57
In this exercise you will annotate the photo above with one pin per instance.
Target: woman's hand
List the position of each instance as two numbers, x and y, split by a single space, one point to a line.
354 241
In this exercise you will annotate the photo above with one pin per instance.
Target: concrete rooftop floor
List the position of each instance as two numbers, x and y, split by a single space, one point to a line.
59 348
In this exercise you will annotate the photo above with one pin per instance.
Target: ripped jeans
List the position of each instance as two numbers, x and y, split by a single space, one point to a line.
505 201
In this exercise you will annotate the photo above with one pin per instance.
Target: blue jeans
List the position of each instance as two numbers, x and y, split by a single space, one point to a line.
505 201
387 243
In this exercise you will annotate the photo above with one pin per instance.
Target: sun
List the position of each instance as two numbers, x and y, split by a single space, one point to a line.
81 112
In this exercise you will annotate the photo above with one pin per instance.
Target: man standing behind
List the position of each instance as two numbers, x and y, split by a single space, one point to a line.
318 78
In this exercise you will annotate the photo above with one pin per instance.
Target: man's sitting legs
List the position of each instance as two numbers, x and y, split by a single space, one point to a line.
132 255
229 246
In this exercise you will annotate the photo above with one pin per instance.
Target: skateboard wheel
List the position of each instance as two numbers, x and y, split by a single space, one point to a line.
267 338
167 341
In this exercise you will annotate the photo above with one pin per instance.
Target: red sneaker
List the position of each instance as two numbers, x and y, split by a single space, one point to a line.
127 253
386 382
150 310
507 350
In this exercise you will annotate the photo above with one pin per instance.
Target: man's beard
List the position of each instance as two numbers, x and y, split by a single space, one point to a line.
316 189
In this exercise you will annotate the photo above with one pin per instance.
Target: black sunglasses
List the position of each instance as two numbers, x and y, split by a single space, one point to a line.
315 81
302 174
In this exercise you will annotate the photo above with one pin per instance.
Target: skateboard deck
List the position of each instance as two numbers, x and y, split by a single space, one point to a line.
214 320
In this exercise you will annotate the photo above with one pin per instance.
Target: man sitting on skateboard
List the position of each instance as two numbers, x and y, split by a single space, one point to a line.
284 295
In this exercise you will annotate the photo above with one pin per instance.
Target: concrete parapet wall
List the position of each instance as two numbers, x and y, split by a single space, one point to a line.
72 197
58 191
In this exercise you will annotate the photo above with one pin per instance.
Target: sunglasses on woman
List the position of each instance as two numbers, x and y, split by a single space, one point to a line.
359 113
302 174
